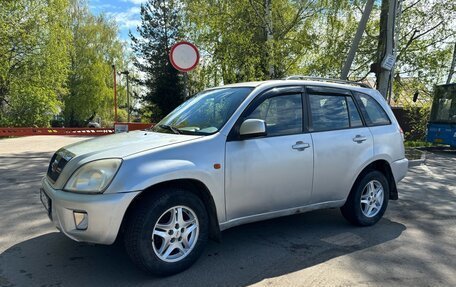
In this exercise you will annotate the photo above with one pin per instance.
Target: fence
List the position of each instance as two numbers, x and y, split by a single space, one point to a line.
18 132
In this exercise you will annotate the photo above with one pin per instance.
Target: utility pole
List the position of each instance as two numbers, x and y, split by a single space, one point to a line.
357 39
126 73
186 88
453 64
269 35
385 57
115 93
128 99
397 29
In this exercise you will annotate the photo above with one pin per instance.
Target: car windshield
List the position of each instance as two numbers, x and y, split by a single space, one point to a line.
203 114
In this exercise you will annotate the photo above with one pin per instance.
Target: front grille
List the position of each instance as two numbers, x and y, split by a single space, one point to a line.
58 162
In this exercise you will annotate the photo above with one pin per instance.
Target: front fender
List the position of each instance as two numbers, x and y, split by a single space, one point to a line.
138 175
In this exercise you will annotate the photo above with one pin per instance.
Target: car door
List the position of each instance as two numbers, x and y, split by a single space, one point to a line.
272 172
342 142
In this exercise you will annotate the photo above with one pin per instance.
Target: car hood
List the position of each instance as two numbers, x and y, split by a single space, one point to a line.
125 144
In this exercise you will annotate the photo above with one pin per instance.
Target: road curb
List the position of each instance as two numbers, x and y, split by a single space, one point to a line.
417 161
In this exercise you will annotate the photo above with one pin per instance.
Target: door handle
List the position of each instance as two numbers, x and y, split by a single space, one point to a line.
359 138
300 146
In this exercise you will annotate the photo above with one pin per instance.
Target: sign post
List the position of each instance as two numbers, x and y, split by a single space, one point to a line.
184 57
115 92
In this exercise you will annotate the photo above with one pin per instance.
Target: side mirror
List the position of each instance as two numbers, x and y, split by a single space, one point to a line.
252 128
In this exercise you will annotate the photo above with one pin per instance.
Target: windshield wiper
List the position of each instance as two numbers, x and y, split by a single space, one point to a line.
170 128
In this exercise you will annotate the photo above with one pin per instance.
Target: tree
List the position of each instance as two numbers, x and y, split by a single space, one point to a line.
34 60
159 30
333 29
424 43
95 48
452 66
425 46
249 40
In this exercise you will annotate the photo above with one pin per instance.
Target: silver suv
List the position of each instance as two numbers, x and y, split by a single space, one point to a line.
228 156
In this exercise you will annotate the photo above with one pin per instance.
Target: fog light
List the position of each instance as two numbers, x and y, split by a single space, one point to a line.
81 220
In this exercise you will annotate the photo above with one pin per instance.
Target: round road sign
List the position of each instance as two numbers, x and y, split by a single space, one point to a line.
184 56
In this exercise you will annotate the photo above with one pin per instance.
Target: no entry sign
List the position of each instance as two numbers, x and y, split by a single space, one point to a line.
184 56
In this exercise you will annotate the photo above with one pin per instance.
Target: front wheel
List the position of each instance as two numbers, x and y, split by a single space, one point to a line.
167 232
368 200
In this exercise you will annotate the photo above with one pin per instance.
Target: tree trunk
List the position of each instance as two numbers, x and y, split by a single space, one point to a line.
269 36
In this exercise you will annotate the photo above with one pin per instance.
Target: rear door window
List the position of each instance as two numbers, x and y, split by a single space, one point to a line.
329 112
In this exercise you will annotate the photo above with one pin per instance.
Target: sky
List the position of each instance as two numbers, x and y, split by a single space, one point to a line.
125 12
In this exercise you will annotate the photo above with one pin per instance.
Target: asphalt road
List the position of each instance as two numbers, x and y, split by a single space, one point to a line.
413 245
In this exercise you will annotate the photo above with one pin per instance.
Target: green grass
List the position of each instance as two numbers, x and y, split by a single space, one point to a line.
418 144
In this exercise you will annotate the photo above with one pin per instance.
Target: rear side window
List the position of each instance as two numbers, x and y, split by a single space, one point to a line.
329 112
355 118
373 113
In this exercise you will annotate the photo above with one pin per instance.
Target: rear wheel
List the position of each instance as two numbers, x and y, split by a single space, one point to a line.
368 200
167 232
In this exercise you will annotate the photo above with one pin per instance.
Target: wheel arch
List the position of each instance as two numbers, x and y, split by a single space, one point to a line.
192 185
384 167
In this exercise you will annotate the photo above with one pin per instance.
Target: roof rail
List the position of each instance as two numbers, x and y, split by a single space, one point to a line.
320 79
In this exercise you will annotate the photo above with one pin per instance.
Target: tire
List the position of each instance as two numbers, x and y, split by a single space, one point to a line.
153 226
373 187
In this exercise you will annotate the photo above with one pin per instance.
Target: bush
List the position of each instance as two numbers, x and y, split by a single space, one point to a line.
418 119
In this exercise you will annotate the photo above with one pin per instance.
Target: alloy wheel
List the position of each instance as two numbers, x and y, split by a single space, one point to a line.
175 234
372 198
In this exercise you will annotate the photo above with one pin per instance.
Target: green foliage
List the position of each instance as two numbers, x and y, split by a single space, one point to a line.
333 31
34 48
54 56
233 38
418 118
122 116
424 44
159 30
313 38
417 144
95 48
427 31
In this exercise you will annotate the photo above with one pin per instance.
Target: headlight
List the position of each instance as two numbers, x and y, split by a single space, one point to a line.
94 176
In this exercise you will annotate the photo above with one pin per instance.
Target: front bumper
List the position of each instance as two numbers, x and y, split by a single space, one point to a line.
105 213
